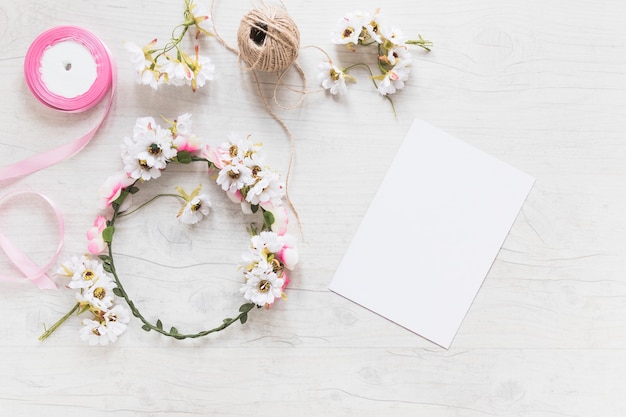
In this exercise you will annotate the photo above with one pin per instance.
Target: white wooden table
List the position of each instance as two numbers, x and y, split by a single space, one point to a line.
540 85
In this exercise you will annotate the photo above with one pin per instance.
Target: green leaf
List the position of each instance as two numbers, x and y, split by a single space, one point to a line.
133 189
268 218
228 320
105 258
107 234
118 292
107 267
183 157
173 331
246 307
254 208
159 325
244 318
146 327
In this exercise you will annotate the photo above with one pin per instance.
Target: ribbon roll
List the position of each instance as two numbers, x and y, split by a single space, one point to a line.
30 270
69 69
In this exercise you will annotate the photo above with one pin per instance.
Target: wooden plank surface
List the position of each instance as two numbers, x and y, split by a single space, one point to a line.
540 85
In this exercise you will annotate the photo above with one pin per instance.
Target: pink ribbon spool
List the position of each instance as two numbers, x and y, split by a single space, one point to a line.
103 84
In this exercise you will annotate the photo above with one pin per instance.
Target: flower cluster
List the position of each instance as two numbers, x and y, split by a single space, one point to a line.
95 293
246 180
154 66
240 172
394 58
265 265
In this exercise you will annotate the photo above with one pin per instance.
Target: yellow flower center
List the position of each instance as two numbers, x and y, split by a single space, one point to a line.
144 164
196 207
96 332
347 32
233 151
374 26
264 286
234 175
88 275
154 149
334 75
99 293
255 170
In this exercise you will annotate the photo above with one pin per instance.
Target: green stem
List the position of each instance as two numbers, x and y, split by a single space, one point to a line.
361 64
59 322
127 213
421 42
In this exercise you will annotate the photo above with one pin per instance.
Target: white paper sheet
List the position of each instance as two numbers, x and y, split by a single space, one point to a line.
431 233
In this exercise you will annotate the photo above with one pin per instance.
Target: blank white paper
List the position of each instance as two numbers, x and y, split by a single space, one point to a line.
431 233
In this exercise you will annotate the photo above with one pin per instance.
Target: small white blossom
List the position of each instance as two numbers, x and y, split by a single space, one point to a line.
234 176
94 333
394 80
195 209
332 78
99 295
267 188
349 28
204 70
263 286
176 72
116 321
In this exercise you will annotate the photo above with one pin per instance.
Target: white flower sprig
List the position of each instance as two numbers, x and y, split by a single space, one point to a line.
240 172
170 64
95 294
393 55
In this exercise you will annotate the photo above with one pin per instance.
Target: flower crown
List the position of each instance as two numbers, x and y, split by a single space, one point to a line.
241 173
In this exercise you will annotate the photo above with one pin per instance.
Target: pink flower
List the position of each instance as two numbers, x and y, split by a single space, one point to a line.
281 217
288 254
97 244
217 155
112 188
191 143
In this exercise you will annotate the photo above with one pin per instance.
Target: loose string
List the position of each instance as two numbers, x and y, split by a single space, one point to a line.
267 106
31 270
103 85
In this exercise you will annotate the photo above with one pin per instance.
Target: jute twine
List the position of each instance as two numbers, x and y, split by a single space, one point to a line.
268 39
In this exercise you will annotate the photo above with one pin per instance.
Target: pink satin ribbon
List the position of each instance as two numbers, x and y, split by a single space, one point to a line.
103 85
30 269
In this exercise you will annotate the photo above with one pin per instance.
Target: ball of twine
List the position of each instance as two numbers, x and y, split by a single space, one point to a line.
268 39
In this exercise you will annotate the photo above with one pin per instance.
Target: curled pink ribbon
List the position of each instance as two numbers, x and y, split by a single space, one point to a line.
30 270
103 84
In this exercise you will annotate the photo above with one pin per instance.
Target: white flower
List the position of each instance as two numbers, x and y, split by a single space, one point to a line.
266 240
195 209
94 333
182 125
137 58
399 56
86 273
234 176
148 152
394 80
375 27
267 188
176 72
263 286
99 295
332 78
349 28
393 35
143 125
204 70
150 77
116 320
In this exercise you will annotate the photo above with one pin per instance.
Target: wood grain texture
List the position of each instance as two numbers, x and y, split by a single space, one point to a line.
540 85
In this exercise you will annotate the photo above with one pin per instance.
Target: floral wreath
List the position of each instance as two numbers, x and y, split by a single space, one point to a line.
241 173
